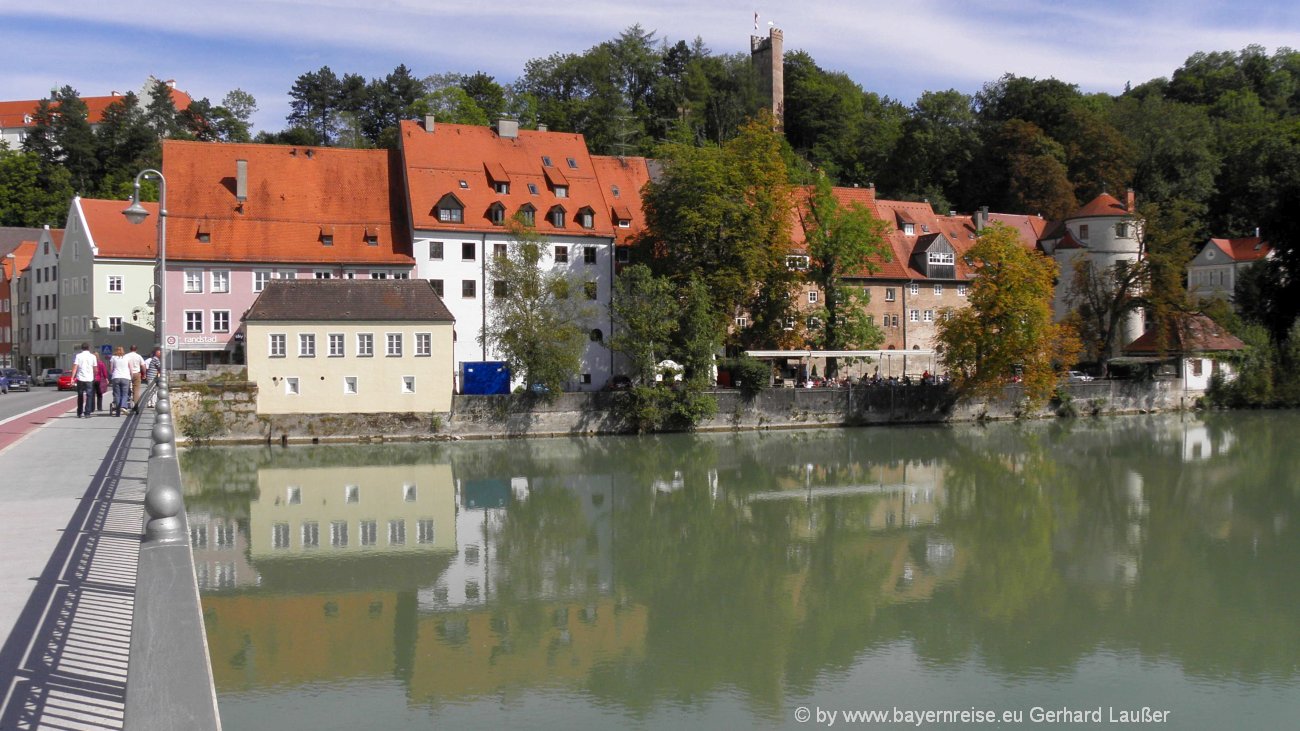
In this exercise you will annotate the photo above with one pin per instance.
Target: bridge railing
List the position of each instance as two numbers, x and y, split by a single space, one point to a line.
169 679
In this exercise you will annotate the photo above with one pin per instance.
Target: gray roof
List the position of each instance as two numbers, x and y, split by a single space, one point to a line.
342 300
12 236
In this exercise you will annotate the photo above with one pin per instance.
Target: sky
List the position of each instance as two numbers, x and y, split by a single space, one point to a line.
899 48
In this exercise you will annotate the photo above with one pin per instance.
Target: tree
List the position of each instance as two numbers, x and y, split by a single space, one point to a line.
28 197
126 144
316 104
486 93
539 323
842 241
1008 326
645 318
160 113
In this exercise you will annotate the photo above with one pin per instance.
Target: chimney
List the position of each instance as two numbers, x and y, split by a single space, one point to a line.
428 122
981 218
508 129
1129 200
241 180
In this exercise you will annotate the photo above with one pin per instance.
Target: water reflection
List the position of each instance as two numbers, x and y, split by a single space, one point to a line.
643 574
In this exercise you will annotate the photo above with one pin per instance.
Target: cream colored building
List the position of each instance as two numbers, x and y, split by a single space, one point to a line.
350 346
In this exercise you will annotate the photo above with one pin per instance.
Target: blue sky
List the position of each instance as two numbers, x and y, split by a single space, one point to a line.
899 48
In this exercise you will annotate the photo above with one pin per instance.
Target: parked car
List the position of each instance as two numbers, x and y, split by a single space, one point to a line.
66 383
48 377
18 381
1079 377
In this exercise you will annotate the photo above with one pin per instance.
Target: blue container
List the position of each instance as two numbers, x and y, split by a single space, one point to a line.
484 378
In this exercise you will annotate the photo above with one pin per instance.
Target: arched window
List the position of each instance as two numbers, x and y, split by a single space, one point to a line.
597 336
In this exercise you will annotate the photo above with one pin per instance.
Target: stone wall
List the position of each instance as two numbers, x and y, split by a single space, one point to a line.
520 415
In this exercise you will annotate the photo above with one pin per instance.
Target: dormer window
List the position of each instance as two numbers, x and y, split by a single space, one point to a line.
796 262
909 229
372 236
939 257
501 188
586 217
450 210
528 214
327 235
204 234
561 191
556 216
497 214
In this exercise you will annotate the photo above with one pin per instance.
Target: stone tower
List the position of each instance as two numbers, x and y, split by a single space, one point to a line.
768 57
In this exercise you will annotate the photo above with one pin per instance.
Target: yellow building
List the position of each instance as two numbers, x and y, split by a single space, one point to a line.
350 346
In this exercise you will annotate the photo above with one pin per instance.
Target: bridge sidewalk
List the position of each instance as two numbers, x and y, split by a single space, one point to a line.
71 496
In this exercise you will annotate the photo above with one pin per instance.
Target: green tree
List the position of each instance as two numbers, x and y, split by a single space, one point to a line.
126 144
539 323
486 93
938 142
645 318
1008 326
843 241
160 112
28 196
316 102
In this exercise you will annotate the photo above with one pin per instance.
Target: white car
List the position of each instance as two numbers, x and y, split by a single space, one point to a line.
1079 377
48 377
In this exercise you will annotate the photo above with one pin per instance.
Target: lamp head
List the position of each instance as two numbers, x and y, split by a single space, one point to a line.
135 213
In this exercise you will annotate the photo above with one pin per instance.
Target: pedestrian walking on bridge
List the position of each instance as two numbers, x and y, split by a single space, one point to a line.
83 374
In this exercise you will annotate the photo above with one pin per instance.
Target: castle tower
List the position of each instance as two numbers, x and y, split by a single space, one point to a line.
768 58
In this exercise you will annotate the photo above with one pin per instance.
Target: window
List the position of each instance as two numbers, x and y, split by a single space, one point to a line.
435 250
914 315
260 278
561 191
310 534
796 262
928 316
1121 230
499 251
291 386
499 288
409 493
336 345
742 321
961 290
589 255
365 345
812 297
288 273
306 345
324 274
940 257
193 280
350 388
1083 232
614 189
501 188
339 533
464 184
115 324
528 214
424 530
393 345
468 289
115 284
396 532
408 384
561 255
451 214
914 288
423 344
909 229
280 535
497 214
573 164
437 286
546 161
532 188
889 294
368 530
596 335
352 494
194 321
327 239
895 320
467 251
556 215
221 321
586 218
590 289
621 255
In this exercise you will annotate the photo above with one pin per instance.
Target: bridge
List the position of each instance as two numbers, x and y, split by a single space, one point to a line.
98 602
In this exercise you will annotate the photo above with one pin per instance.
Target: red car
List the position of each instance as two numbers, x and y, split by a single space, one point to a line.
66 383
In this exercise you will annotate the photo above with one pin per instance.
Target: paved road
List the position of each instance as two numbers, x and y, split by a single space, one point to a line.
17 402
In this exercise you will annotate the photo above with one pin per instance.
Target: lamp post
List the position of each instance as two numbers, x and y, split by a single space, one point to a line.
136 213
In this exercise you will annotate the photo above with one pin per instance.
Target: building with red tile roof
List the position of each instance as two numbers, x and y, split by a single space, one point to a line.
16 117
1195 343
38 292
1216 268
465 183
239 215
11 264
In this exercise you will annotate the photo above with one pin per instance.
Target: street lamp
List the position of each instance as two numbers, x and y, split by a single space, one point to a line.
136 213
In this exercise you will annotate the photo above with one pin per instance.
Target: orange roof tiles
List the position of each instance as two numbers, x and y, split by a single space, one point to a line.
21 260
437 162
292 192
1251 248
1103 205
1029 228
1188 334
114 236
621 180
21 113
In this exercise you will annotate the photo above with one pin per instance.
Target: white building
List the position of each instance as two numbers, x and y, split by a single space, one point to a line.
1220 263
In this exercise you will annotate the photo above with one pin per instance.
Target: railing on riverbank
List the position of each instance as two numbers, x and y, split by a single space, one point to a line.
169 683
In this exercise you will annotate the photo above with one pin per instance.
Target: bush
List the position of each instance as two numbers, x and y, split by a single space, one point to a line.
203 425
656 408
750 375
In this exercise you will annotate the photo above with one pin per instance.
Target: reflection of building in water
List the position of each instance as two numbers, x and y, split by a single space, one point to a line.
317 510
480 511
220 552
1199 442
465 655
903 495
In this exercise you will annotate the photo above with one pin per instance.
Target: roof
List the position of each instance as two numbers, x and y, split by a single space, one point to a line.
21 113
1250 248
12 236
21 260
341 300
1187 334
621 180
1103 205
465 160
113 235
295 196
1029 228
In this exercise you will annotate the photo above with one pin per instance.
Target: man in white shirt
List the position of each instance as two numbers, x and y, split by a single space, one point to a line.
83 373
135 363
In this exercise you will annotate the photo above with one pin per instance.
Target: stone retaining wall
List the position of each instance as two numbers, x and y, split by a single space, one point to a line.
520 415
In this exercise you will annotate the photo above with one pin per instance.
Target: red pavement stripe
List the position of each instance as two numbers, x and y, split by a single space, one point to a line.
17 427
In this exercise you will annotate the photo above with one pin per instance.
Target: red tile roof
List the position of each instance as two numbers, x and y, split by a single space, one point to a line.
1251 248
22 259
627 175
20 113
114 236
293 193
1029 228
437 162
1103 205
1188 334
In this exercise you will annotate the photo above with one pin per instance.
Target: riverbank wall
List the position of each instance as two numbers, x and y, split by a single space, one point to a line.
226 412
